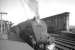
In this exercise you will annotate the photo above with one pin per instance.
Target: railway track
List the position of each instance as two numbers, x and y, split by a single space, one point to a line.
63 43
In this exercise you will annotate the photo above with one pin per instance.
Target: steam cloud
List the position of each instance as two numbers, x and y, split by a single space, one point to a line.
33 4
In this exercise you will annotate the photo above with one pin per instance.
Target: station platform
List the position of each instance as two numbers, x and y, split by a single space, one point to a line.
14 45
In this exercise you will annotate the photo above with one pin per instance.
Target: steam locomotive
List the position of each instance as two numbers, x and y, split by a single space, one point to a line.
24 32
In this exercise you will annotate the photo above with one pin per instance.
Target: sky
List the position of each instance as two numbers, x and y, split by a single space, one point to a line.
18 11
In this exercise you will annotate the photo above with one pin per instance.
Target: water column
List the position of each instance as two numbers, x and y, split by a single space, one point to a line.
2 23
